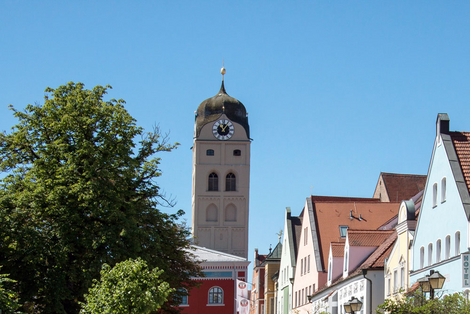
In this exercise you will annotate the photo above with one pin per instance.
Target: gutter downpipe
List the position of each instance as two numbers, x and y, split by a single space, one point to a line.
364 273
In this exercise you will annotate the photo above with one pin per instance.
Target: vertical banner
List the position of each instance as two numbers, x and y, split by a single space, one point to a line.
465 270
242 297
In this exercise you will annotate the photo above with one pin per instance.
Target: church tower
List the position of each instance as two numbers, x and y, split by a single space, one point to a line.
221 175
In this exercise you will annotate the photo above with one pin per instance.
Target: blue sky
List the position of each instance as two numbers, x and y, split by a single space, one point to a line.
337 91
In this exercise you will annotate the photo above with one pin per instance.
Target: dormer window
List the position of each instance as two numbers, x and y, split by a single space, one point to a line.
343 230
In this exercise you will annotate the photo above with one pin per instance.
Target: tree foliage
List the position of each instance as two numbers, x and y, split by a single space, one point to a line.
128 287
79 191
416 303
8 299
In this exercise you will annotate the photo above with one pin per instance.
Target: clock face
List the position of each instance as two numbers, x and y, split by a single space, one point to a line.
223 129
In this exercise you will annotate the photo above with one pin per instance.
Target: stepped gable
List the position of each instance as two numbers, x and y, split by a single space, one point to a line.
354 213
461 141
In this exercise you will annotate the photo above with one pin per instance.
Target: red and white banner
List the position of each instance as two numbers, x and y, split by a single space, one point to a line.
242 297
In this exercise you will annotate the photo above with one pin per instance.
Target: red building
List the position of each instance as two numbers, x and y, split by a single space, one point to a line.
217 293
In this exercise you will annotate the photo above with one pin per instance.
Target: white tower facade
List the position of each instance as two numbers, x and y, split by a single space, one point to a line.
221 175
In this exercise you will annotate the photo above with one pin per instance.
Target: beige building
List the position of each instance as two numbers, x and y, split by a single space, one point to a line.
221 175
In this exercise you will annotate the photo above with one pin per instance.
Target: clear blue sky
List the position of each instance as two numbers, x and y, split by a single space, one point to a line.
337 91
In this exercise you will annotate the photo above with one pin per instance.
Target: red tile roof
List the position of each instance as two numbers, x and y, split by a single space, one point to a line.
461 141
336 199
375 261
337 249
368 237
330 215
402 186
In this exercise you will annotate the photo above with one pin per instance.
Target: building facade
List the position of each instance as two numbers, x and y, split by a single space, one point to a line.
221 175
441 240
216 293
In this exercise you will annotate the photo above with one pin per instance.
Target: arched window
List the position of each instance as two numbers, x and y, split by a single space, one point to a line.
429 254
457 243
443 190
213 182
210 152
421 257
184 296
211 213
438 251
230 182
216 295
231 213
447 256
237 152
434 194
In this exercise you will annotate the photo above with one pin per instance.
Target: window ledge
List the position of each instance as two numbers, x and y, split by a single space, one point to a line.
215 304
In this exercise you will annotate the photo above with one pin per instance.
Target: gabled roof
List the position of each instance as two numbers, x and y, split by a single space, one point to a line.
337 249
456 145
461 141
275 255
374 261
367 237
329 215
337 199
294 227
402 186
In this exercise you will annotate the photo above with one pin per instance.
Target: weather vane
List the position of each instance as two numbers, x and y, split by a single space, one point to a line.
222 71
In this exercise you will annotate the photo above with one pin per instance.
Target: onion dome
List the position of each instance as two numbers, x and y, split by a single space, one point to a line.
211 109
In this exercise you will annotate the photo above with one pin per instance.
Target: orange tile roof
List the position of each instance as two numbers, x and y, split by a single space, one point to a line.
375 261
461 141
330 215
337 249
368 237
320 198
403 186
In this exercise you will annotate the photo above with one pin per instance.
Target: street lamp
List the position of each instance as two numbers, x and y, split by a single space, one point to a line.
433 281
353 305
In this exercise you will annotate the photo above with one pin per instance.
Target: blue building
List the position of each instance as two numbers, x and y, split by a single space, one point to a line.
441 238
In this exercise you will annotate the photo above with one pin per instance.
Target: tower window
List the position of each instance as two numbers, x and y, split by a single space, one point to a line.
213 182
237 152
230 182
210 152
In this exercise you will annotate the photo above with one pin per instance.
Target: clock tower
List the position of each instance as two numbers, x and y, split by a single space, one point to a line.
221 175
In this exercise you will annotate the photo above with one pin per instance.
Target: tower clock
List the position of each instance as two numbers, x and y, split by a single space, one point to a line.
221 175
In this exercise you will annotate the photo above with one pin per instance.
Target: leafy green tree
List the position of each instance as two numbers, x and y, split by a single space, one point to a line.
128 287
79 191
417 304
8 298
